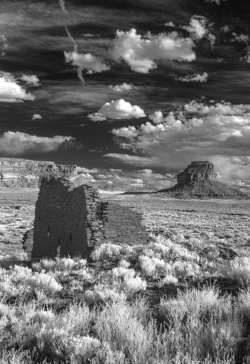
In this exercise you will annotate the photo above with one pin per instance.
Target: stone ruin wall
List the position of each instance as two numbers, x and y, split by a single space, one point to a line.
18 172
70 214
197 171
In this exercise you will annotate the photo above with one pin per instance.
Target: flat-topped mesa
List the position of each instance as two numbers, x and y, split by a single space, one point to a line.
198 180
18 172
197 171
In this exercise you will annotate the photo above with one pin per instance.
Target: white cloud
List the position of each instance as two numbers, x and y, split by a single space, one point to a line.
86 61
144 179
17 143
241 38
123 87
88 35
206 131
194 78
197 27
31 80
10 91
97 117
119 109
132 159
225 29
36 116
169 24
224 108
158 118
141 54
215 1
129 132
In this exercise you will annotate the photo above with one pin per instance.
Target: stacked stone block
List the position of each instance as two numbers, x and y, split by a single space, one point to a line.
71 216
123 225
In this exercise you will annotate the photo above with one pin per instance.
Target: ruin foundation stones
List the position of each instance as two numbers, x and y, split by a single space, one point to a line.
71 218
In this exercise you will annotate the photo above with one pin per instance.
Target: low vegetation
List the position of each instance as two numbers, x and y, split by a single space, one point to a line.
70 311
183 297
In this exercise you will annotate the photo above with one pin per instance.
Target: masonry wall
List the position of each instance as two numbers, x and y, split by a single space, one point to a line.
64 210
71 216
123 225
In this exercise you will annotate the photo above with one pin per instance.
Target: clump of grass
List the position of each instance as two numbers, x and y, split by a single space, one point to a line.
238 269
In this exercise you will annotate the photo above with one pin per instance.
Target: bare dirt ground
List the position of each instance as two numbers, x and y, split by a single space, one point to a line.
213 228
17 209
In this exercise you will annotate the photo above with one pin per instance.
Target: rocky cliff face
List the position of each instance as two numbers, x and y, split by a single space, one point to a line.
198 180
17 172
197 171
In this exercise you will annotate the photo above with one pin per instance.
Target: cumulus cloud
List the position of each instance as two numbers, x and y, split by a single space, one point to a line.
123 87
197 27
215 109
206 131
142 179
194 78
97 117
140 54
169 24
17 143
86 61
240 38
119 109
10 91
36 116
31 80
225 29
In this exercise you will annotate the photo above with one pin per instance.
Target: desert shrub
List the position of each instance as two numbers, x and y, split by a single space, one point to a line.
154 267
194 302
243 307
106 355
10 282
101 293
55 336
107 251
168 279
238 269
131 285
125 331
185 269
43 281
202 325
156 250
60 264
15 357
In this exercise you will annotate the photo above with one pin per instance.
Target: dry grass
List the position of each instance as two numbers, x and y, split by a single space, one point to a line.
181 299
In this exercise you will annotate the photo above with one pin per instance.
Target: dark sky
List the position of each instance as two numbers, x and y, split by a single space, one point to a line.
132 91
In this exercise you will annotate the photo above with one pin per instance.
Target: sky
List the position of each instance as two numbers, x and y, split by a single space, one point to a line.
131 91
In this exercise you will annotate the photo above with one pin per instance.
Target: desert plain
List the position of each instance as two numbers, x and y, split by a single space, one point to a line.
182 297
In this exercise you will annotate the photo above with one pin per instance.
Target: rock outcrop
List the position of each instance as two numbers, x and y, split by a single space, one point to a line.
198 181
197 171
17 172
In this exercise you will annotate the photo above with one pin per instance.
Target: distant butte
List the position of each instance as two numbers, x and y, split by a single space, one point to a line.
198 181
